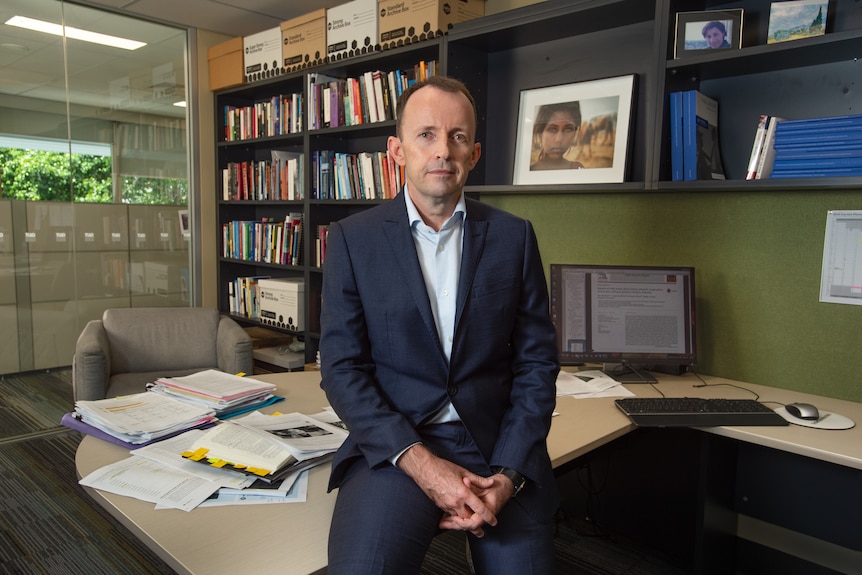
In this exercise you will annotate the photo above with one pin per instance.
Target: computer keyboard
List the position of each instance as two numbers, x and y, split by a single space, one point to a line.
696 412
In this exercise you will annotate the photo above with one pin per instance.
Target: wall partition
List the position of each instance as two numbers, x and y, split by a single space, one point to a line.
94 177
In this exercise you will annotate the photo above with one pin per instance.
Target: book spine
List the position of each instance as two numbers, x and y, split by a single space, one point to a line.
689 135
767 155
808 152
757 147
818 173
821 137
676 136
825 122
808 163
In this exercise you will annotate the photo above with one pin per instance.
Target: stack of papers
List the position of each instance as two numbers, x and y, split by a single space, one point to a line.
268 446
140 418
589 383
159 474
224 393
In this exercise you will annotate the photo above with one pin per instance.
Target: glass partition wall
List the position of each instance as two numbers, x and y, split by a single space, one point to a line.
94 179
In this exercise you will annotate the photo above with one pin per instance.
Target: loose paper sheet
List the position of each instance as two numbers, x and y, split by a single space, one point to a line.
841 276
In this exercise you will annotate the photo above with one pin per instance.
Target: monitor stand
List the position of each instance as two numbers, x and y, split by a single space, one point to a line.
626 373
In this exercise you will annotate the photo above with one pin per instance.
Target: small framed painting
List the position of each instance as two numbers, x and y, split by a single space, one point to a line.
574 133
797 19
707 30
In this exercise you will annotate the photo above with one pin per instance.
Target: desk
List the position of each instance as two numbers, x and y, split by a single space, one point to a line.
291 538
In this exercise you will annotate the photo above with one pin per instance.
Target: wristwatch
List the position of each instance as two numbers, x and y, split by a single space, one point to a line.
517 479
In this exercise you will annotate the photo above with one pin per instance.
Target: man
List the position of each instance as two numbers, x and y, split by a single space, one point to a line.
438 353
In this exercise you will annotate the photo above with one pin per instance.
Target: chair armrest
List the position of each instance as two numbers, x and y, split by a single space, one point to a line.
91 365
233 347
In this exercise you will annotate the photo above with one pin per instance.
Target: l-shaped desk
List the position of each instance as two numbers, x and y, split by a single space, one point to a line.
291 538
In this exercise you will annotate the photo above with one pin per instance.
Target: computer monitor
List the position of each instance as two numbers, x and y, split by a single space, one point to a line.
631 319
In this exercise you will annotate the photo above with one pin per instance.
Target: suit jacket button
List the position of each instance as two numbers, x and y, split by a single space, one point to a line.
453 390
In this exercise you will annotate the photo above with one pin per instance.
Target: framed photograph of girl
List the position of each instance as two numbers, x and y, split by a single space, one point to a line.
707 30
574 133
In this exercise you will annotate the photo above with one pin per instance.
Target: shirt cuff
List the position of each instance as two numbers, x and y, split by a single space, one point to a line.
394 459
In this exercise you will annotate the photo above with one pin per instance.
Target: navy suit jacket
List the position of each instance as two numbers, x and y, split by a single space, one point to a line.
383 367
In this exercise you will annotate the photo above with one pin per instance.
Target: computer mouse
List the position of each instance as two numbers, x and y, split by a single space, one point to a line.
802 411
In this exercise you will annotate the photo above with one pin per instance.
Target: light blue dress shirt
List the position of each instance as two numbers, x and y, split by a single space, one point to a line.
440 259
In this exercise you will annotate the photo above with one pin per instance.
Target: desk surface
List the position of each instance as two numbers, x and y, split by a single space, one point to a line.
206 540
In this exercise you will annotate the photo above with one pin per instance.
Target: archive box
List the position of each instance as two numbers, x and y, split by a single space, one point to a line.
351 30
401 22
303 41
262 54
225 62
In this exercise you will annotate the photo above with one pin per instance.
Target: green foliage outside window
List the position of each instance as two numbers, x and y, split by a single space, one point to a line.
38 175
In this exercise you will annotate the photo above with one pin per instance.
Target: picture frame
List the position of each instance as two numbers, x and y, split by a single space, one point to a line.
797 19
707 30
590 149
185 224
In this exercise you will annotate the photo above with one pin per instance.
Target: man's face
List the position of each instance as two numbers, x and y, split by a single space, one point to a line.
437 144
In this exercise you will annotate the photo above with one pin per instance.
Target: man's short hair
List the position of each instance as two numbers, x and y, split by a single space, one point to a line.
444 83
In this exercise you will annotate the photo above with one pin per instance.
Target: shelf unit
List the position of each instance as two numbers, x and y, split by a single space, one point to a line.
345 139
560 42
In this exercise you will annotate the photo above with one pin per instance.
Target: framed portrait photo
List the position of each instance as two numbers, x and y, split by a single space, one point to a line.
707 30
574 133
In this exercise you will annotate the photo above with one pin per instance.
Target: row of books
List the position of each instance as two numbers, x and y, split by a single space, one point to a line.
695 150
369 98
276 116
807 148
362 176
278 179
266 240
243 294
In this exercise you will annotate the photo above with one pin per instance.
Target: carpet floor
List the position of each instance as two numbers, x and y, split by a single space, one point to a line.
50 526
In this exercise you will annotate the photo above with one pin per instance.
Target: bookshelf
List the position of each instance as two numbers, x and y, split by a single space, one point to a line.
306 143
551 43
797 79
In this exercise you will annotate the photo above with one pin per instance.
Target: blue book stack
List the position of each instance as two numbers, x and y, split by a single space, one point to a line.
818 147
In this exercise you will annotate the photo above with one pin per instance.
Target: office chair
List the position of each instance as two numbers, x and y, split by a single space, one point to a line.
131 347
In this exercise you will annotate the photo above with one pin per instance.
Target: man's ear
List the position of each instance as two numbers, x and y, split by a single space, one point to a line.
477 152
394 149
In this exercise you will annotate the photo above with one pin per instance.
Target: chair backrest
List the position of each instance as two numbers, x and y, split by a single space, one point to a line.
148 339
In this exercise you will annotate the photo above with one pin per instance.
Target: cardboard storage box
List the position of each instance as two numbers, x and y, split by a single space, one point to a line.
282 303
262 54
277 359
351 30
226 62
303 41
402 22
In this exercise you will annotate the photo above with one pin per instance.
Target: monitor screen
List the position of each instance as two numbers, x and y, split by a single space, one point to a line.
629 318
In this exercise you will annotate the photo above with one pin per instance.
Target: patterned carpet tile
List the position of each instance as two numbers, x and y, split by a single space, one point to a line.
49 525
34 401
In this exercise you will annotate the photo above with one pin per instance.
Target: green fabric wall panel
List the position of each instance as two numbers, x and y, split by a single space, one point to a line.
758 262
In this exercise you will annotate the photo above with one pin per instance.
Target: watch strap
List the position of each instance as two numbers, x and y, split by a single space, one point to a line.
518 480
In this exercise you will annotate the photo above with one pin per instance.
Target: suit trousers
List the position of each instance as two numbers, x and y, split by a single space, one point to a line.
383 523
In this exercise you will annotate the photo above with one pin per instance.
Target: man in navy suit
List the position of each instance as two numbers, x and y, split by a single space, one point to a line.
438 353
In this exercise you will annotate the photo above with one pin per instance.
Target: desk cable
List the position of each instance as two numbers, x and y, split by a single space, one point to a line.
705 384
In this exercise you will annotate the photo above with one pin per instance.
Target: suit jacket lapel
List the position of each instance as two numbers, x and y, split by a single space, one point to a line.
475 229
397 231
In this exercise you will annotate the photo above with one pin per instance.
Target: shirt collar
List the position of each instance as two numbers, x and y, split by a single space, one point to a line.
413 214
